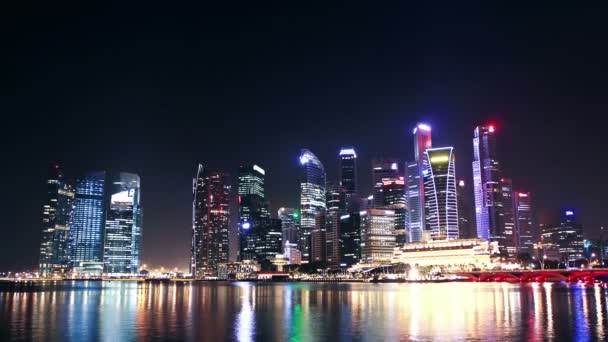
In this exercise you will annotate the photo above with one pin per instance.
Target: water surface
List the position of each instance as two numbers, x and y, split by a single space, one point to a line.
124 311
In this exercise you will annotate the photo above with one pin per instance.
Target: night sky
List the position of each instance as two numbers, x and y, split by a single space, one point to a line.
155 89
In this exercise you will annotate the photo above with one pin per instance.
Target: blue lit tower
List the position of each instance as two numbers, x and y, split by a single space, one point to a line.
415 183
88 218
210 222
123 225
312 198
486 184
440 194
56 221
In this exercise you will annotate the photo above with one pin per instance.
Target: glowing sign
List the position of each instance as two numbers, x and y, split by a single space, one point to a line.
259 169
246 225
491 129
521 194
569 213
370 197
348 152
440 159
461 183
123 197
424 127
394 166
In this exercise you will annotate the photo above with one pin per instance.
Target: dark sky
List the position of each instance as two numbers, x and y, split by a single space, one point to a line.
156 89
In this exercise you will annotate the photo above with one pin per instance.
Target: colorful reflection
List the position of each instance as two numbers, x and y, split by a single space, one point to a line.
120 311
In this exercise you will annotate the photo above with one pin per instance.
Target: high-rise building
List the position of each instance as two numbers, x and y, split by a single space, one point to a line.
88 219
506 217
335 198
377 235
528 235
318 239
210 222
123 226
56 221
350 239
312 199
387 168
440 194
415 199
393 191
253 208
290 220
486 176
262 241
348 170
564 240
465 224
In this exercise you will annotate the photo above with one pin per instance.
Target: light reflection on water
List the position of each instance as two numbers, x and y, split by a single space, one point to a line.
122 311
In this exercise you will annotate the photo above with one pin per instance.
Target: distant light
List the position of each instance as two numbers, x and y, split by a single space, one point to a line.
304 159
363 212
343 265
296 215
569 213
394 166
259 169
348 152
461 183
425 172
56 166
344 217
424 127
521 194
491 129
370 197
246 225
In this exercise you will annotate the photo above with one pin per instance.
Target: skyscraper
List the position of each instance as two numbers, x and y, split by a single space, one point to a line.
486 176
465 225
387 168
88 218
440 194
348 170
414 179
335 198
377 235
56 221
123 226
350 239
393 191
252 210
210 222
290 220
528 235
312 198
566 238
505 211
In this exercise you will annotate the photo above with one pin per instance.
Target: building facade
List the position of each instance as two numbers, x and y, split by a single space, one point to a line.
88 219
56 221
348 170
122 236
377 235
387 168
414 178
210 222
441 211
253 211
528 235
393 190
505 211
486 176
350 239
564 240
290 221
465 224
312 199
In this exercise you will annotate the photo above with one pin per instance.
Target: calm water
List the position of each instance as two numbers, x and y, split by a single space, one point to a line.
123 311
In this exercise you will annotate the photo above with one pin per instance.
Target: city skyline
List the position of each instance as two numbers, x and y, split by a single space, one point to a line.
231 97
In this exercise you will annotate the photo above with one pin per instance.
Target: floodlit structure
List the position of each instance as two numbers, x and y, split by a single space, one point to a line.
440 194
414 178
377 235
466 253
312 199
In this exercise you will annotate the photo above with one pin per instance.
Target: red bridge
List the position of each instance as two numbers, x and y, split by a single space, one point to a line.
536 275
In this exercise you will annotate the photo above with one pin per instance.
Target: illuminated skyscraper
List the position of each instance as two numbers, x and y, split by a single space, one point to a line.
414 179
290 220
210 222
505 211
383 169
348 170
486 175
565 238
377 235
56 221
393 191
528 234
123 226
88 219
335 198
312 198
440 194
350 239
253 208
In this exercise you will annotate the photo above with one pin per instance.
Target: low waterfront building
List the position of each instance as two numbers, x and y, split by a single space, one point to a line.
470 253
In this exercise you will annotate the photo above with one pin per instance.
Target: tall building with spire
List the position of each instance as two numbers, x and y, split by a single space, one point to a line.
441 212
414 179
486 176
312 199
210 222
56 221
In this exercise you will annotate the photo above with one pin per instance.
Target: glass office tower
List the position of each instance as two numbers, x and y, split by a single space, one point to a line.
440 194
88 218
312 199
